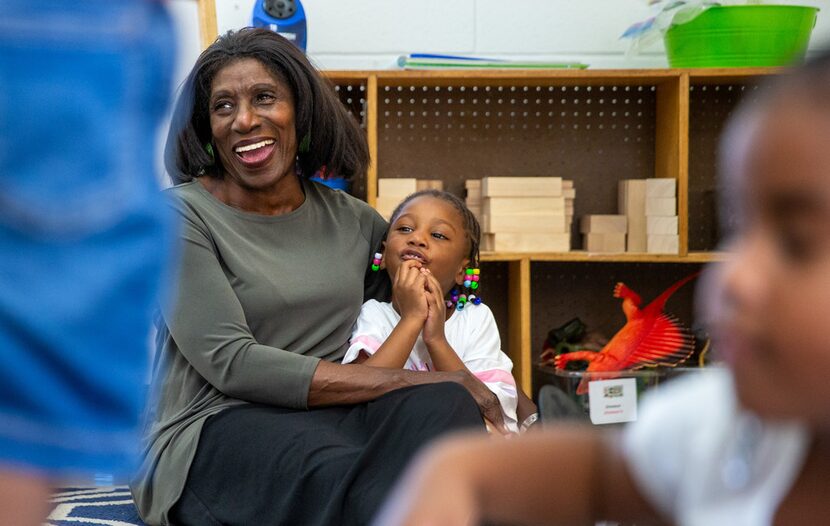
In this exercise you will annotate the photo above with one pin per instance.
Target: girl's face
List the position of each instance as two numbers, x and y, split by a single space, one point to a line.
252 123
774 292
431 231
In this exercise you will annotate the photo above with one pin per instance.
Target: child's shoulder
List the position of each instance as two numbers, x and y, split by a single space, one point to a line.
375 306
480 311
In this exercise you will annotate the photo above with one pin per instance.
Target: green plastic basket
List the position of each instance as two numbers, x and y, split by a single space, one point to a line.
741 36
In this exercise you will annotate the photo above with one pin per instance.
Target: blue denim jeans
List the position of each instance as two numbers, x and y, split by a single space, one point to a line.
84 236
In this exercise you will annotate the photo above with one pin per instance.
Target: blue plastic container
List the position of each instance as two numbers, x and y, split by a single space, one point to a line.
338 183
285 17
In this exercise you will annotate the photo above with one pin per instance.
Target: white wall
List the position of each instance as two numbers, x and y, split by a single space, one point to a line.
371 34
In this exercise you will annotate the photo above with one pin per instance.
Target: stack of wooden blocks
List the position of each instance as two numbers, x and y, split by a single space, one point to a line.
473 197
524 214
650 206
391 191
603 233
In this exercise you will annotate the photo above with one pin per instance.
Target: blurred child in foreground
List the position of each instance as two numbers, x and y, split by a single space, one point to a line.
83 238
744 445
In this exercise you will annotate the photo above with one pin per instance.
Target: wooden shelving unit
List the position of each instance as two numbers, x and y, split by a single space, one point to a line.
593 126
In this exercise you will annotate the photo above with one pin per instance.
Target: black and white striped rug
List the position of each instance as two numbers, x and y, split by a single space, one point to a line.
100 506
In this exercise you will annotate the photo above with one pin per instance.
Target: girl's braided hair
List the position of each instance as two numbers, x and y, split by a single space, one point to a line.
471 226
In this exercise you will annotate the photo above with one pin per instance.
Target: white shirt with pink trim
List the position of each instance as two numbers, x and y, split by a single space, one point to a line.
471 332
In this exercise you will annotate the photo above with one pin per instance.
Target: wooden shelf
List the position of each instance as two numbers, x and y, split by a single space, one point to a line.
593 126
579 256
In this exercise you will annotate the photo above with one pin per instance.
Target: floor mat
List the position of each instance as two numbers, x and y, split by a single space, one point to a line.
101 506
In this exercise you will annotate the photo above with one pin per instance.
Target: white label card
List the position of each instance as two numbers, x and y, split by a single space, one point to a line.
613 401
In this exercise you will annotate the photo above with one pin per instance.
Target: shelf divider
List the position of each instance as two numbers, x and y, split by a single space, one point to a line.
518 327
372 137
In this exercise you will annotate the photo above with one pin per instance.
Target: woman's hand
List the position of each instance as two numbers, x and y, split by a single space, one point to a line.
487 401
437 311
409 292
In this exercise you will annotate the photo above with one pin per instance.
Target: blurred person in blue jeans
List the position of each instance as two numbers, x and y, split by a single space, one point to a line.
83 237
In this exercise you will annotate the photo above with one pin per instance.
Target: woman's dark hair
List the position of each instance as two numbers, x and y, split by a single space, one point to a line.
336 140
471 226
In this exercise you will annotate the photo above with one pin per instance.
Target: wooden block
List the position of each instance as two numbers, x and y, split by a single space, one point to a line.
662 225
429 184
553 223
521 186
473 191
474 184
663 244
476 211
610 242
386 204
567 184
661 206
603 224
525 242
523 205
395 187
569 193
632 203
661 187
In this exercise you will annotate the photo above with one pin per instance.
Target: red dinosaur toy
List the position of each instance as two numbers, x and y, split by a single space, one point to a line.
649 338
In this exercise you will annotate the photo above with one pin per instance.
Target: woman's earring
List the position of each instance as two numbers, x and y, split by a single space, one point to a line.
376 261
209 150
305 144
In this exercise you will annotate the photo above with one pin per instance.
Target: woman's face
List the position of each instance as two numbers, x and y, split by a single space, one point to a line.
774 328
252 123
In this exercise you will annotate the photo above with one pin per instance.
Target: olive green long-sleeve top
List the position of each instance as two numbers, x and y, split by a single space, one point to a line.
258 301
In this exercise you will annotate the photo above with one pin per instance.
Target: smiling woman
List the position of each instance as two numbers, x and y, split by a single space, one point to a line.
254 420
253 128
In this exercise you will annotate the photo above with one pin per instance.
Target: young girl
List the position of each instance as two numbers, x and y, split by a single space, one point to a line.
435 322
744 445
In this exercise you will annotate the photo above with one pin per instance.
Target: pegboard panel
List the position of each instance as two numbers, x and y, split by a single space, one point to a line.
494 279
563 291
594 134
353 95
710 106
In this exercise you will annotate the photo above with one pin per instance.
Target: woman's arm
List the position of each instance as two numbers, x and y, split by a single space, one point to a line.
571 475
337 384
478 349
208 324
524 407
